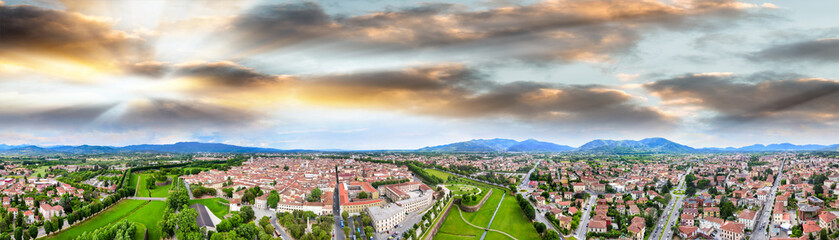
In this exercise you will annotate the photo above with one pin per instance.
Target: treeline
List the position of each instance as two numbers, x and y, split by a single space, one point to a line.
526 207
295 222
198 191
388 182
494 178
431 179
122 230
94 208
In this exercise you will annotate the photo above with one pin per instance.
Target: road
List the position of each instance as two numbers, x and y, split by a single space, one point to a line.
336 212
583 226
540 217
759 233
671 209
277 227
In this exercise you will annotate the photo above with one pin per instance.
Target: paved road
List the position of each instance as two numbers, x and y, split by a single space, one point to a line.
540 216
583 226
759 233
189 191
337 231
277 227
672 207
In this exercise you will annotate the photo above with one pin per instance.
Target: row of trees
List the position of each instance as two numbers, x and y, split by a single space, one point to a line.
122 230
198 191
526 207
388 182
431 179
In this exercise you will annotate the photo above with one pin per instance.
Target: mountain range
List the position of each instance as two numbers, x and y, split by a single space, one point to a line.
648 145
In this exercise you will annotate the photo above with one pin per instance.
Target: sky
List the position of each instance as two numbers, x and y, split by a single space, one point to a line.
362 75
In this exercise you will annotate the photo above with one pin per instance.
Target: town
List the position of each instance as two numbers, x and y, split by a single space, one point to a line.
368 195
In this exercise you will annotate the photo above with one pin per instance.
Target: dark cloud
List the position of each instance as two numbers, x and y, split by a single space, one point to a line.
134 114
743 99
822 50
226 74
549 30
149 68
35 37
459 92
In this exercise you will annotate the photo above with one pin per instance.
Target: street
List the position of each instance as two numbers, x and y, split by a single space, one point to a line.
671 209
760 233
583 226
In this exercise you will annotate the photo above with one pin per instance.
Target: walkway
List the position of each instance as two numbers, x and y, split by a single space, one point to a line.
148 198
490 222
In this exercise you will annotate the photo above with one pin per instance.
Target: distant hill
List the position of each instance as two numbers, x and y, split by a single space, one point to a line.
497 145
181 147
531 145
648 145
187 147
602 146
776 147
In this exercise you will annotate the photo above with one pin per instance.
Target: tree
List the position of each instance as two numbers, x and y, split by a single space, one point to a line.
247 214
273 199
368 231
362 195
727 209
18 233
315 195
150 183
346 232
540 227
47 227
228 192
345 215
33 230
57 223
551 235
285 168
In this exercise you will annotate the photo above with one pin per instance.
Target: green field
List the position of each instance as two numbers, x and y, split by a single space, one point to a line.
459 189
42 170
438 173
132 181
111 215
218 206
158 191
147 217
509 219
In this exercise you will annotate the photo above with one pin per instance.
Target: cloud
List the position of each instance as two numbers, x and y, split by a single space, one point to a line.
455 91
816 51
226 74
769 98
65 44
548 30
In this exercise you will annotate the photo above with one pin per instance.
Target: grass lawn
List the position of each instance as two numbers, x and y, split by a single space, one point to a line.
438 173
42 170
148 216
511 220
218 206
459 189
111 215
158 191
132 181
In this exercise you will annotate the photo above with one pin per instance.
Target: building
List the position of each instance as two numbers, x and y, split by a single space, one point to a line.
579 187
354 205
747 218
409 197
51 211
827 221
596 226
732 231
